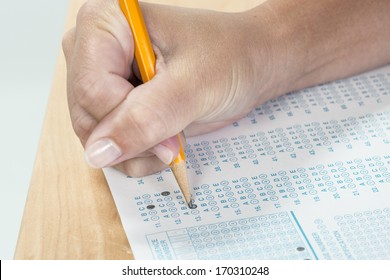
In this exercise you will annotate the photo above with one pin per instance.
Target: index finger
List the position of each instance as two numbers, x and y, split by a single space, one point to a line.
99 64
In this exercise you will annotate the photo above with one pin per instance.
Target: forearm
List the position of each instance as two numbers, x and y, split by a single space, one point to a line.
320 41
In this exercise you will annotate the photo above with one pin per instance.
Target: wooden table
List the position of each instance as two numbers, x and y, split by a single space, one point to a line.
69 212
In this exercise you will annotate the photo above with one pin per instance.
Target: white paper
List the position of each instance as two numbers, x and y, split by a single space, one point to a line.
304 176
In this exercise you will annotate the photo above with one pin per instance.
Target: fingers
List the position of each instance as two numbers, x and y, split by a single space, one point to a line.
167 150
152 113
120 127
142 166
99 55
82 122
68 42
119 124
100 66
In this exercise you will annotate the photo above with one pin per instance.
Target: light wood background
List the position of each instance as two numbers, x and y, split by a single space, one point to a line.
69 212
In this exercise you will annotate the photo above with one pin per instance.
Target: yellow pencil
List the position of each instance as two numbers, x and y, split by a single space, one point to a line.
146 63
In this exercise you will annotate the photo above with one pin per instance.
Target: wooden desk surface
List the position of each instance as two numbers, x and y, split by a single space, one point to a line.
69 212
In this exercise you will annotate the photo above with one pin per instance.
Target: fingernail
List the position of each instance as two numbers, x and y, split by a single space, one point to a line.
163 153
102 153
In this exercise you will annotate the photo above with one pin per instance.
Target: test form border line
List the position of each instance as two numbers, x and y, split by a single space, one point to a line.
303 233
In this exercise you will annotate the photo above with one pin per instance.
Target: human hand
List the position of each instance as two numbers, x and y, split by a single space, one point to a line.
206 77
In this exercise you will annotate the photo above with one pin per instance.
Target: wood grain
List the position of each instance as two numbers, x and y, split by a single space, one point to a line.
69 212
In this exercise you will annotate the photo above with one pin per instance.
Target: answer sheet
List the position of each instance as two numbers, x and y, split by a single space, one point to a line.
304 176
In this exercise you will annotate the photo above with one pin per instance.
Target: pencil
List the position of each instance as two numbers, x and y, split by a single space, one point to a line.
146 63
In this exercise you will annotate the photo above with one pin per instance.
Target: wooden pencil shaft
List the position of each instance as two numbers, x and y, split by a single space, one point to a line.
146 63
179 170
142 45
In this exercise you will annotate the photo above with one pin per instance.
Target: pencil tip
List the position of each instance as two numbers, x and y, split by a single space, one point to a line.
192 205
179 170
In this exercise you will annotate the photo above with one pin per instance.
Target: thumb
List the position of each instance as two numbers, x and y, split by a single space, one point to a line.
149 118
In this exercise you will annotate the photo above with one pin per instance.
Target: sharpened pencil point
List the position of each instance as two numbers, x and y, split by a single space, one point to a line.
179 170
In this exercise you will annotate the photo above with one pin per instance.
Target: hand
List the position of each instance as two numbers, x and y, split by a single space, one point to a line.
206 78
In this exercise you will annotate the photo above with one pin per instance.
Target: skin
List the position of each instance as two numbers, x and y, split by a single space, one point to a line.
212 69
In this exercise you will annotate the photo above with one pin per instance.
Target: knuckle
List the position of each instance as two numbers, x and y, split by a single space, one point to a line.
93 14
141 166
135 169
83 125
87 12
68 42
86 89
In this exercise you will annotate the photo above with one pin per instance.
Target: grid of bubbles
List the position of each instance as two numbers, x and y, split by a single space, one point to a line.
361 235
265 190
336 179
263 237
367 232
333 180
296 141
353 92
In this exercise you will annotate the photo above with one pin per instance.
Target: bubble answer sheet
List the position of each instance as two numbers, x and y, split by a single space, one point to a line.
303 176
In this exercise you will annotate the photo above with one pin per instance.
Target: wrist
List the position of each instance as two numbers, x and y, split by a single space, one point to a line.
313 42
276 54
